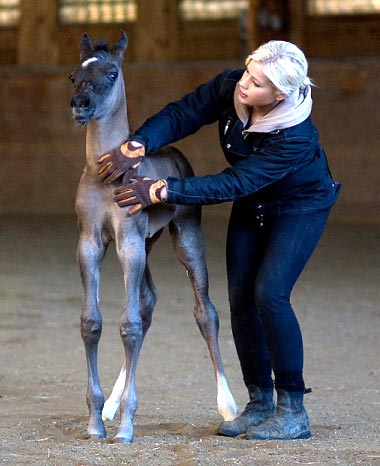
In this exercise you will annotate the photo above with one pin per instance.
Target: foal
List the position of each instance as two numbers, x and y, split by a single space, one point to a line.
99 102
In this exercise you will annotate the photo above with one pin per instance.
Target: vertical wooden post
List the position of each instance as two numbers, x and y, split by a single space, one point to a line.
294 31
252 25
156 30
297 22
37 37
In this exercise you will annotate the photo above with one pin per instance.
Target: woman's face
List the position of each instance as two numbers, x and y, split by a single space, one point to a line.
255 89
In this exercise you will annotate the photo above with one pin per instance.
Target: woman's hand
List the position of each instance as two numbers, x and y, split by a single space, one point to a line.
121 159
141 192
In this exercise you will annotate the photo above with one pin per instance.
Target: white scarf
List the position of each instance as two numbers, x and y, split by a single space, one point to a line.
291 111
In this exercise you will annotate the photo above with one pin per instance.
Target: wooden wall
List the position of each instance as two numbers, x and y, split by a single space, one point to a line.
342 36
42 151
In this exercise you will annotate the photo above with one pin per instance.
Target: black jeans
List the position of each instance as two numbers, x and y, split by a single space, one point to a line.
266 253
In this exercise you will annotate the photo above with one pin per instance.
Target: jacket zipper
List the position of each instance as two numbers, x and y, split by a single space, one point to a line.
229 121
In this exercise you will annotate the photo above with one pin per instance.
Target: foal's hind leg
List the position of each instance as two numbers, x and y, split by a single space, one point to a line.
90 254
189 246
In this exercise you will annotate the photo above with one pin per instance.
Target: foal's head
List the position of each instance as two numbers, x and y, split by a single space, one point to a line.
98 80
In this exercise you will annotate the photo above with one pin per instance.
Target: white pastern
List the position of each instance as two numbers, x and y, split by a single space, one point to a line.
109 409
226 403
112 404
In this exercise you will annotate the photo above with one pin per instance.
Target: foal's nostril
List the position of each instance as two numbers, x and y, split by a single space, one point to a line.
80 101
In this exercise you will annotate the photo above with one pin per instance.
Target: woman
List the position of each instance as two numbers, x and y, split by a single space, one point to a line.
282 190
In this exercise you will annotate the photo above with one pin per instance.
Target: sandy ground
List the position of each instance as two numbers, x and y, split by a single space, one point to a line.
43 411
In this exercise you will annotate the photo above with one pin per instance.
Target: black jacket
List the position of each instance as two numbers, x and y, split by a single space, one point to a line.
284 169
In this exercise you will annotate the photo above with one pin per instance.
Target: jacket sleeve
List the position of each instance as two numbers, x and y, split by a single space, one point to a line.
184 116
247 176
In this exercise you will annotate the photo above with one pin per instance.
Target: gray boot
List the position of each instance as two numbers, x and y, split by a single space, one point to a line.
259 408
289 422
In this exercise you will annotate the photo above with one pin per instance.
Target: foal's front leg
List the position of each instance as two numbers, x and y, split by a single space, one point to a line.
148 298
90 254
132 258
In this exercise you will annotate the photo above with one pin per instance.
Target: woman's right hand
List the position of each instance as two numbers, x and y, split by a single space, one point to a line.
118 161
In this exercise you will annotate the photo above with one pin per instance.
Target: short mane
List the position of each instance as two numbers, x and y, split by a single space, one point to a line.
101 46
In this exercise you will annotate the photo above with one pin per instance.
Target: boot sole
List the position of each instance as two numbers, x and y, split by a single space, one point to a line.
229 434
303 436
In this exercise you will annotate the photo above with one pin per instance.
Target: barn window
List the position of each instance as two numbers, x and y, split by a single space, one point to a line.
97 11
9 13
211 9
342 7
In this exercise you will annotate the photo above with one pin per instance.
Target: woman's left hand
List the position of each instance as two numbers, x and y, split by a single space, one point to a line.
140 193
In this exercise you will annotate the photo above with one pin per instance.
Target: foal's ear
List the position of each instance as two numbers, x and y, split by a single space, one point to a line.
86 47
120 47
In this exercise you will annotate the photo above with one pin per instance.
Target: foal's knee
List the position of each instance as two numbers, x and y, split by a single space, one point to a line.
130 332
91 330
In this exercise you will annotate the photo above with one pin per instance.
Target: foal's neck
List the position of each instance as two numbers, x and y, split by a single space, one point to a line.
105 134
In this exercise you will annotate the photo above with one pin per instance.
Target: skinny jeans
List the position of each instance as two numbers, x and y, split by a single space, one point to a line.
266 253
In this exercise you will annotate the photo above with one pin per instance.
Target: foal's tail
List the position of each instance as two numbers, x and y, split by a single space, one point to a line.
182 164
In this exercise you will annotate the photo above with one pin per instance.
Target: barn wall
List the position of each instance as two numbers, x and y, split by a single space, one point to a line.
43 152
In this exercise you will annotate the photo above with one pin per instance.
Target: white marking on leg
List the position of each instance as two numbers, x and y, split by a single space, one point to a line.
88 61
226 404
112 404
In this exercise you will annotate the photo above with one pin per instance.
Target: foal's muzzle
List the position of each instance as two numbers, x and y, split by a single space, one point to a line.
81 108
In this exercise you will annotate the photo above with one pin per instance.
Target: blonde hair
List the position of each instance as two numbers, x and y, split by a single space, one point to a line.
284 64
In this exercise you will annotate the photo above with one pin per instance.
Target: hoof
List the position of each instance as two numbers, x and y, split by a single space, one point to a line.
95 436
122 439
96 433
230 429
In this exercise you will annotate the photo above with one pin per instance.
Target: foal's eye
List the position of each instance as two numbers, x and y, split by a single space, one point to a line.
72 79
112 76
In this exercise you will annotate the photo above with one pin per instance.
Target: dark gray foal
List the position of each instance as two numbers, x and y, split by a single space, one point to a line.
100 103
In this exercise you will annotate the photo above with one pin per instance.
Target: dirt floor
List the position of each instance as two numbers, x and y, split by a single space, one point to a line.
43 411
